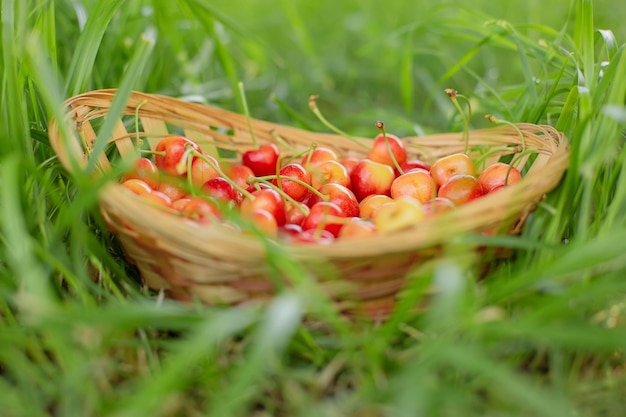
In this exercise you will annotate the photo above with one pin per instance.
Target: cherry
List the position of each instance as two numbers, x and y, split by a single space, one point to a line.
203 169
318 155
172 191
266 199
416 183
202 210
400 214
137 186
341 196
498 174
357 228
461 189
369 205
171 154
239 174
329 171
323 216
262 161
293 189
369 177
437 206
222 190
451 165
380 151
264 221
144 169
296 212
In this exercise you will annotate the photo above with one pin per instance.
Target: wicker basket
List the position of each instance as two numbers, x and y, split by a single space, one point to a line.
217 266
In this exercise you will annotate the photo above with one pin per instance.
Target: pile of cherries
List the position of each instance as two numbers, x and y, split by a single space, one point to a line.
313 196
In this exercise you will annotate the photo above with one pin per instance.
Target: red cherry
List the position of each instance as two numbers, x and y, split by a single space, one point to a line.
341 196
264 221
318 237
369 177
323 216
202 210
349 162
262 161
266 199
296 213
172 191
414 163
239 174
292 188
380 153
437 206
170 152
222 190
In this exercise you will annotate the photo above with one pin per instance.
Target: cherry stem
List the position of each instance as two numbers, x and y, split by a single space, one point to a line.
189 179
380 125
138 140
221 173
495 120
282 193
320 116
301 154
454 96
309 156
266 178
246 111
282 141
150 152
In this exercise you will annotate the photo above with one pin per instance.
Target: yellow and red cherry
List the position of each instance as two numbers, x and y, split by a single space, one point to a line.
330 171
203 169
137 186
417 184
144 169
461 189
339 195
324 216
381 147
498 174
451 165
369 177
171 153
400 214
265 199
369 205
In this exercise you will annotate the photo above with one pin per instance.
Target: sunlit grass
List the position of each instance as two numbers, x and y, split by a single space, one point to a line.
541 334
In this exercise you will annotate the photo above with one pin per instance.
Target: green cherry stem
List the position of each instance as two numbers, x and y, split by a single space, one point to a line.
267 178
283 194
493 119
320 116
138 140
380 125
282 141
221 173
454 96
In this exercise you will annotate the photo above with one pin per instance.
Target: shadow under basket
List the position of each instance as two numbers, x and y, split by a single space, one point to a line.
220 266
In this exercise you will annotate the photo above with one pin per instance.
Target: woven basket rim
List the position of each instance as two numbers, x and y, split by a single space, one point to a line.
430 232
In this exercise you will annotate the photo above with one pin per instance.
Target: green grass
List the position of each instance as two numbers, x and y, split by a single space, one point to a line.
541 335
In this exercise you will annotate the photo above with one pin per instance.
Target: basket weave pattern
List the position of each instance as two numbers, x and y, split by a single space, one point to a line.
220 266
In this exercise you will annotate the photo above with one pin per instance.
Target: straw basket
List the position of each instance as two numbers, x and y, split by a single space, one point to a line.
219 266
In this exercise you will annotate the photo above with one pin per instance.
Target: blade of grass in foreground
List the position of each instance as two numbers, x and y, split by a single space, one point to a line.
84 58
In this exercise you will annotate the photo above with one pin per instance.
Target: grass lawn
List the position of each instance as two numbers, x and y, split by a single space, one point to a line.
542 334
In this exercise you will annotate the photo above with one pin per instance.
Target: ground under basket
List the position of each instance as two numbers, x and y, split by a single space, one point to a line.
220 266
